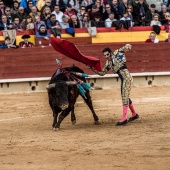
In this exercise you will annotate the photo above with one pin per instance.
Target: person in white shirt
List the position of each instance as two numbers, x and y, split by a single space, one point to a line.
108 22
58 13
128 22
156 21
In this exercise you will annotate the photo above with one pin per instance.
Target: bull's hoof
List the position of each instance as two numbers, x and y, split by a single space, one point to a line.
97 122
56 129
73 122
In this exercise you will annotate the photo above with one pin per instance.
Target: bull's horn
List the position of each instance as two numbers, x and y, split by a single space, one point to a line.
71 82
50 86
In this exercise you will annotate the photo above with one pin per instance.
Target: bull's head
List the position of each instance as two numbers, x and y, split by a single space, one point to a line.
59 92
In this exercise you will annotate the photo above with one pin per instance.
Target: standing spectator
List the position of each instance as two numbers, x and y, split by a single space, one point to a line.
123 6
25 43
34 13
16 25
24 3
38 23
28 24
15 8
86 22
108 22
7 44
69 12
150 14
47 4
4 24
64 24
8 14
46 14
21 14
59 3
106 12
58 13
2 8
152 38
168 39
75 22
54 26
140 10
43 33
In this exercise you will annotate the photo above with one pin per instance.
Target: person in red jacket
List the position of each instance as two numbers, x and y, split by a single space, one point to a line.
152 38
69 11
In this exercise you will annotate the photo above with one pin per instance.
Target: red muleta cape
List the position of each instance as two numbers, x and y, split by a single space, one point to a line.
70 50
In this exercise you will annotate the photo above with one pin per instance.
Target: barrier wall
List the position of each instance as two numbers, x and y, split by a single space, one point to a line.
40 62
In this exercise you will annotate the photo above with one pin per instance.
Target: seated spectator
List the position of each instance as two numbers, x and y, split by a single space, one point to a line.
16 25
130 13
69 12
47 4
168 39
54 26
167 24
2 8
8 14
162 13
75 5
46 14
29 6
155 20
81 12
43 33
24 3
25 43
94 11
86 2
28 24
58 13
64 24
108 22
15 8
106 13
140 9
115 7
38 23
20 14
34 13
7 44
59 3
86 22
150 14
127 21
75 22
97 22
152 38
4 24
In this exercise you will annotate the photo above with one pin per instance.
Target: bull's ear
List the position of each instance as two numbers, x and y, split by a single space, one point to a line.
71 82
50 86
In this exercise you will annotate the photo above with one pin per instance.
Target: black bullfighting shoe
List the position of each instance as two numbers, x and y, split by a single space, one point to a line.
133 118
121 123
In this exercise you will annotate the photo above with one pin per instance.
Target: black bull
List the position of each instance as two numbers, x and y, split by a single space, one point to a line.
63 93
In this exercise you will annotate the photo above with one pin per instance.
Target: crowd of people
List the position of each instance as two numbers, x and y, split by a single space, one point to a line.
55 15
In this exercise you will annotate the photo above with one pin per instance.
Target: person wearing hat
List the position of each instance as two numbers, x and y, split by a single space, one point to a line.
150 14
116 61
25 43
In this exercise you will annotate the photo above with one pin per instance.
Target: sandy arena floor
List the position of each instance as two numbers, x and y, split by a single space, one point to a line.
28 143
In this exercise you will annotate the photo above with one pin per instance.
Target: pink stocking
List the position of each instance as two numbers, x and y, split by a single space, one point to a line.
125 111
131 107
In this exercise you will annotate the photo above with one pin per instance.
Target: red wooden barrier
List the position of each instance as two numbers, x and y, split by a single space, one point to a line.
40 62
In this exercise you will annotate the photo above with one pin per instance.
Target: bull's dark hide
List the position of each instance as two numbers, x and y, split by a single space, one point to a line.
63 95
